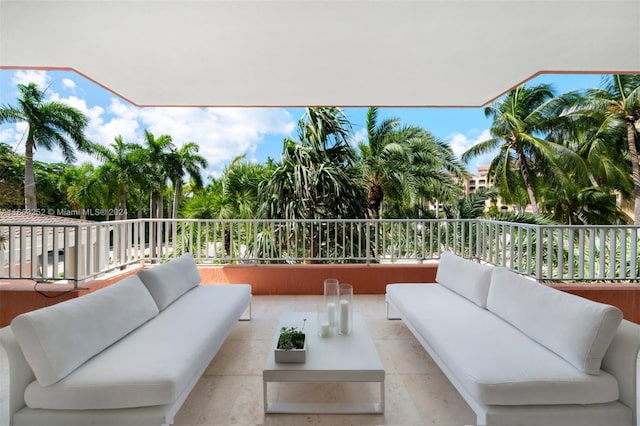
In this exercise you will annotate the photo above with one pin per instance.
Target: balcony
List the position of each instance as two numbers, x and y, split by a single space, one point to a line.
292 257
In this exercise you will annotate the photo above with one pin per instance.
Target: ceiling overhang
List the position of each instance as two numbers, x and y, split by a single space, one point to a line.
306 52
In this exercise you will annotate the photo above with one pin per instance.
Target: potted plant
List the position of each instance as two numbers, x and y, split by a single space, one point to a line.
292 345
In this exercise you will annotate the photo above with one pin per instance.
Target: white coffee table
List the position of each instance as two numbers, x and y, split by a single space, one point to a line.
336 359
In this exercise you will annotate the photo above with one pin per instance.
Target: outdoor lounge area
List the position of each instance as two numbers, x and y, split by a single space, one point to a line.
230 391
482 346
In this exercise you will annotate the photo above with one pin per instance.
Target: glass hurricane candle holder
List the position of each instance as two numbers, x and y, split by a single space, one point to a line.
345 309
323 324
331 300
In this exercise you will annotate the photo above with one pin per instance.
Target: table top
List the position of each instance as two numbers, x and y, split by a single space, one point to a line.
336 358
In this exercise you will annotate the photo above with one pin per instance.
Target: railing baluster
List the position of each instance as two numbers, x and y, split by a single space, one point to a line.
89 250
612 254
549 257
560 273
34 252
602 255
623 253
571 251
431 239
633 256
503 227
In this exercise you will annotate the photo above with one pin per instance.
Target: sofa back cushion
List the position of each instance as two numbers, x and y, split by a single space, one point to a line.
169 281
577 329
466 277
58 339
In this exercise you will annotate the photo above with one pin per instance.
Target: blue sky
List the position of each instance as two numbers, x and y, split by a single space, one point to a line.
224 133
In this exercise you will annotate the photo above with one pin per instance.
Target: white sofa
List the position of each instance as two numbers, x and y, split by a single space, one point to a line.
521 353
128 354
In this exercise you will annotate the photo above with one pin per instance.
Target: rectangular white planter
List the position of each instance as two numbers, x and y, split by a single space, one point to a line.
292 355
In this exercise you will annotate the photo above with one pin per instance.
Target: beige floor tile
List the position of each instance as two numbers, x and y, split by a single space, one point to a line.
437 400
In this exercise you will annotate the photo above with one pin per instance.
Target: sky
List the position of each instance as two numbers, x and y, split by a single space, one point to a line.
225 133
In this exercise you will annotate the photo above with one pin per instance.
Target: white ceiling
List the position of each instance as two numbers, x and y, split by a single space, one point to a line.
330 52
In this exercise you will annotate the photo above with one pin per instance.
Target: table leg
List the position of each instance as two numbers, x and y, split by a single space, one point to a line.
264 395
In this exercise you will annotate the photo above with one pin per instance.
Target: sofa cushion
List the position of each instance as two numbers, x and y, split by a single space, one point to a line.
577 329
169 281
495 362
156 363
57 339
467 278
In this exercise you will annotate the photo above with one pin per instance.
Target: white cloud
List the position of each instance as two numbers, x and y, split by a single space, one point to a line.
40 78
462 142
67 83
359 136
221 133
14 136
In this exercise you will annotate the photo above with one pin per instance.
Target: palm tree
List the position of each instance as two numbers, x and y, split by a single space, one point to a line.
615 108
381 160
235 195
80 184
205 203
316 177
183 161
49 124
241 182
157 169
11 178
473 205
576 205
434 167
404 164
122 166
521 120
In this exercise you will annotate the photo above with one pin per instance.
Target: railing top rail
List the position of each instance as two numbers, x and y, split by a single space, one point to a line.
418 220
76 225
590 226
45 224
504 222
294 220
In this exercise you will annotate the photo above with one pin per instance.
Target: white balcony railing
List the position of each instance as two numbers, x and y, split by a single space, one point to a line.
78 252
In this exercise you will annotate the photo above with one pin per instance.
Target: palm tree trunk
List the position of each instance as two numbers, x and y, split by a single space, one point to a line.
123 203
176 193
374 197
527 183
140 208
635 168
160 206
29 177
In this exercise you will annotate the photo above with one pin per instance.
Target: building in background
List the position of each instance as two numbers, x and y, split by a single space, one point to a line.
481 180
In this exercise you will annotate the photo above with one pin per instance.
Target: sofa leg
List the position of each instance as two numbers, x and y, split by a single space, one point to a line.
248 312
389 317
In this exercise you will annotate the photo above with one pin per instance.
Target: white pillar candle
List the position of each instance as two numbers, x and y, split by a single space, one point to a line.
324 329
331 313
344 317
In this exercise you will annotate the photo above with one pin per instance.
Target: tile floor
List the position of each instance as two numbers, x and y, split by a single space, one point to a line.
230 391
